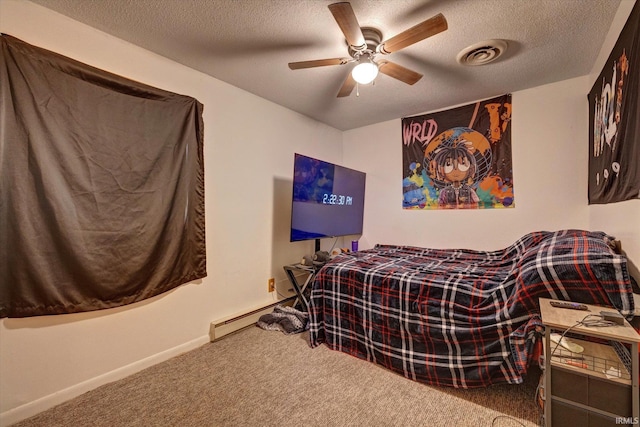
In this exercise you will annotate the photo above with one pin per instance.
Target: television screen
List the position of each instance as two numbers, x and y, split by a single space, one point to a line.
328 200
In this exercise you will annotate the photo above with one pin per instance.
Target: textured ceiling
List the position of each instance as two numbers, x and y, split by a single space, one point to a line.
248 43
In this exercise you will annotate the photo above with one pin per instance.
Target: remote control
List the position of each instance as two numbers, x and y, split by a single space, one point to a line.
567 304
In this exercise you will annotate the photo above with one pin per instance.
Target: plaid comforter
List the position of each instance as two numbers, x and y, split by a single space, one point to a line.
460 318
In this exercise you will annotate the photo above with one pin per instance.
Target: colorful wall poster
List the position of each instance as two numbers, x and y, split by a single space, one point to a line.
459 158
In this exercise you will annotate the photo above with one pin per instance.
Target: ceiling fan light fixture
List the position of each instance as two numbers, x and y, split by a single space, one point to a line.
364 43
365 72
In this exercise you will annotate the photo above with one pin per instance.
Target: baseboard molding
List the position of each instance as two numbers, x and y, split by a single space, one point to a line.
35 407
231 324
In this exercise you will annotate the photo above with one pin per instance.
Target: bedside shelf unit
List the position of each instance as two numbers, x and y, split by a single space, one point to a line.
598 387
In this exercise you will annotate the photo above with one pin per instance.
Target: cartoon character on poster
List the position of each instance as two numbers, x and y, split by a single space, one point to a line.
460 167
458 159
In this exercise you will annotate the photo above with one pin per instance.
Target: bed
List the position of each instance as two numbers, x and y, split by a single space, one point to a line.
460 318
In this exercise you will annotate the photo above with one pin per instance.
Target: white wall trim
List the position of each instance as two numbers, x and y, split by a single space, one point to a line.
35 407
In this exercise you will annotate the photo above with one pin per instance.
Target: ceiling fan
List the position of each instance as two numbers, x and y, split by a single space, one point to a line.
365 44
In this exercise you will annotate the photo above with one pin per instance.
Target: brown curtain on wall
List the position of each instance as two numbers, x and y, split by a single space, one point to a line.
101 186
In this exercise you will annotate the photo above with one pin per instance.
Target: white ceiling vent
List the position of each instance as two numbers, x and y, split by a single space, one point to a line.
482 53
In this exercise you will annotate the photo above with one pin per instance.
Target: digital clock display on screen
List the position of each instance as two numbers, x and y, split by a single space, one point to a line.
336 199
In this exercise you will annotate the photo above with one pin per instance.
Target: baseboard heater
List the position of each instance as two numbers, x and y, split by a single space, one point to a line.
228 325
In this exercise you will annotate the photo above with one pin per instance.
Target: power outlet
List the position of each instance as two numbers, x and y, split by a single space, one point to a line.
272 285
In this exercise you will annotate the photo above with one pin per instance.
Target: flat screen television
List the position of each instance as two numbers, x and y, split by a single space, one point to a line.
328 200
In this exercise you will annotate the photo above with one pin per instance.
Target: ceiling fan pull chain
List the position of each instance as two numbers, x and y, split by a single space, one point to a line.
357 89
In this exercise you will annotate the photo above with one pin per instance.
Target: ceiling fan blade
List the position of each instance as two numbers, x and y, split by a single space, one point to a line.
348 23
399 72
317 63
347 86
428 28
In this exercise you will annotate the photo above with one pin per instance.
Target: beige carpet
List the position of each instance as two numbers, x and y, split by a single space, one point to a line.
266 378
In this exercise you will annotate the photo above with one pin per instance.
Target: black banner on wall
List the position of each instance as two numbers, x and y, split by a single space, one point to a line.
614 121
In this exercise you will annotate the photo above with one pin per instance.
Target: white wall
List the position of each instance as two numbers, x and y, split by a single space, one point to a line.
249 146
623 219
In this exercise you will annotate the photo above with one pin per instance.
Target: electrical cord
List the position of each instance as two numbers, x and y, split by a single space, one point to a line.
333 246
597 321
507 417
